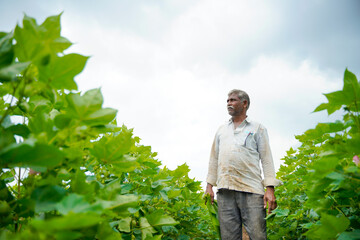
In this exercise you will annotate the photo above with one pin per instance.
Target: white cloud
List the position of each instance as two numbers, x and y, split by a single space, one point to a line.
218 31
173 92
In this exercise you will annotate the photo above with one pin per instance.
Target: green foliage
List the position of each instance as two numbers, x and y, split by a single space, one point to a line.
213 211
320 198
89 178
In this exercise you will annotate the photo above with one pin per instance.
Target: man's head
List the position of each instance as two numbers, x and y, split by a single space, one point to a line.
238 102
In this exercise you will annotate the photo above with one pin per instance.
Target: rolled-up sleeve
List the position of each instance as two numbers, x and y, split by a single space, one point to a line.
266 158
213 164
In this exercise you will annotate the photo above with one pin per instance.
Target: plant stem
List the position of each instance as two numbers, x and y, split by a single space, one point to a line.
18 183
10 107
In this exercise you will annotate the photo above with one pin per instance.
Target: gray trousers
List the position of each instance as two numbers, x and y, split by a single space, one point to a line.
236 208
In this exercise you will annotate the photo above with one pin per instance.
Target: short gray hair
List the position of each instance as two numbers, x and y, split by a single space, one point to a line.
242 95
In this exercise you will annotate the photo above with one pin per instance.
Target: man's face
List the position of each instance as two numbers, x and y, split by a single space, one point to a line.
235 106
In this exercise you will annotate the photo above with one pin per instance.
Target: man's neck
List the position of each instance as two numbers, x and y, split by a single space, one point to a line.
237 120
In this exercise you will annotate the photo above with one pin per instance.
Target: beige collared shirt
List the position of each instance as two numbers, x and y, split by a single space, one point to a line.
235 158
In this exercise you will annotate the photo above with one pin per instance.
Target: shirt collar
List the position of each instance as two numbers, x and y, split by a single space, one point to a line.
247 120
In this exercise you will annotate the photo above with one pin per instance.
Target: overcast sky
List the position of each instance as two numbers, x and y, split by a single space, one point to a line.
167 65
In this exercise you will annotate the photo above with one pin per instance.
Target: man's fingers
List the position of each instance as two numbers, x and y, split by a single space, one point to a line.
211 199
265 201
272 206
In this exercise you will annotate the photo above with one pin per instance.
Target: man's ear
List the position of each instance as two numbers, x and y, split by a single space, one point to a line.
245 103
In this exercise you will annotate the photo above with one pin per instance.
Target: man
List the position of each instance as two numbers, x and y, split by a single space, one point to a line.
234 167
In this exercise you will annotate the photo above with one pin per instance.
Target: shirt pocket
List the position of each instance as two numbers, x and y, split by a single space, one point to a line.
249 141
242 138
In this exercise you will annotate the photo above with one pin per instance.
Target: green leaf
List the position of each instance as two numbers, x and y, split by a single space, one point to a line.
307 225
124 224
87 108
169 229
146 229
174 193
281 212
183 237
60 44
100 117
113 150
51 30
271 215
20 130
336 176
163 195
351 169
28 40
349 95
351 86
68 235
60 71
6 177
107 232
353 144
40 104
325 165
77 204
354 235
335 101
157 237
68 222
89 102
7 122
51 27
329 228
322 107
38 43
159 218
6 49
194 186
6 138
79 184
159 182
120 201
10 72
46 197
28 154
181 171
5 194
323 128
61 121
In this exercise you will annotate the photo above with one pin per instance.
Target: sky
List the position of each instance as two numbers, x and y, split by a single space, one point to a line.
167 65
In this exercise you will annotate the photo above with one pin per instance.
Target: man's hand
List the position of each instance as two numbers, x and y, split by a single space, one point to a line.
269 197
210 191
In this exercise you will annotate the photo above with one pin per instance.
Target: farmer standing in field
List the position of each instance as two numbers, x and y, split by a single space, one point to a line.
234 167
